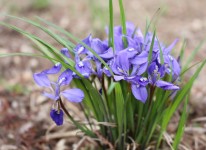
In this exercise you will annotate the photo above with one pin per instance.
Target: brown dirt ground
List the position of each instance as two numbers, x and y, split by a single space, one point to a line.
24 121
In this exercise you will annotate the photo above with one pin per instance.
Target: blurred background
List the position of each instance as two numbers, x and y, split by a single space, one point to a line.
24 120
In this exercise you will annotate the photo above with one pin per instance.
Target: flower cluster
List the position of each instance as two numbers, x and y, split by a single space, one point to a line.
128 61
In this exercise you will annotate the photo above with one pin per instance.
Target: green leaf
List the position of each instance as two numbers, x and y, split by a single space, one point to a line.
181 126
192 56
180 96
119 100
78 41
182 50
111 25
151 47
161 53
45 48
123 22
46 30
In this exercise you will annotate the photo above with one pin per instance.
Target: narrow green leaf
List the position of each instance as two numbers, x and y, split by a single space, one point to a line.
181 94
46 30
46 49
151 47
111 26
119 99
182 50
123 22
78 41
181 126
192 56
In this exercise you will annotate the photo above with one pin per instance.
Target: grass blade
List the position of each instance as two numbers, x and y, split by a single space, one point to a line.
181 126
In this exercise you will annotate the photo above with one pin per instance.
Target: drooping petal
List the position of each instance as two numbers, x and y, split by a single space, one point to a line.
49 95
55 69
65 78
41 79
118 78
139 92
73 95
57 116
166 85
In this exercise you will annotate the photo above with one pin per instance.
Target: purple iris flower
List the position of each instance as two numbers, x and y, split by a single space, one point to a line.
84 67
130 28
80 49
72 95
171 63
156 72
140 63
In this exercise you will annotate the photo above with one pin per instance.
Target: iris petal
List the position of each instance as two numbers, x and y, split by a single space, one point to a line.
51 96
55 69
65 78
57 117
140 92
65 52
73 95
170 47
41 79
166 85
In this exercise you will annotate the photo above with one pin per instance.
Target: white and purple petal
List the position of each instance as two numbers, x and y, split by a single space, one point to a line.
65 78
55 69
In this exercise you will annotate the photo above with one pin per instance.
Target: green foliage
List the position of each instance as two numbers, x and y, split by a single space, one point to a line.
40 4
119 117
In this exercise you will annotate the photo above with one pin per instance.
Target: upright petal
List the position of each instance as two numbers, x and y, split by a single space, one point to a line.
80 49
41 79
73 95
170 47
139 92
65 78
55 69
122 61
84 67
176 67
98 46
57 117
65 52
